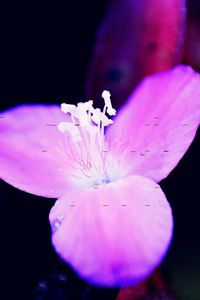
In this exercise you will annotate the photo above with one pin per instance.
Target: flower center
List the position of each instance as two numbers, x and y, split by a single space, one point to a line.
87 148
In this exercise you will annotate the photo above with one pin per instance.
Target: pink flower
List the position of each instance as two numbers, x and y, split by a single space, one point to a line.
112 222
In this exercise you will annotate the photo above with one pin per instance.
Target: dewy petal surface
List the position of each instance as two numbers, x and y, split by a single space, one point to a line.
153 131
113 235
32 150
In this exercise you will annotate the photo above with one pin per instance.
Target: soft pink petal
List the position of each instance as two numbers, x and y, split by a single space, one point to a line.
154 130
116 234
33 151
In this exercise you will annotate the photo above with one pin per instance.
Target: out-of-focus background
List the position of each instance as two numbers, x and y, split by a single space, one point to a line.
45 53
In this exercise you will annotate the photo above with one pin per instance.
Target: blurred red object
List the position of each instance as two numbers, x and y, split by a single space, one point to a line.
154 285
192 43
136 38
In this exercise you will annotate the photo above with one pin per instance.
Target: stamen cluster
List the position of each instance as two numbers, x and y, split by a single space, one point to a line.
86 142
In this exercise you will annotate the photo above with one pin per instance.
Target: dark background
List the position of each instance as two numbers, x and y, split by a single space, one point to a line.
45 51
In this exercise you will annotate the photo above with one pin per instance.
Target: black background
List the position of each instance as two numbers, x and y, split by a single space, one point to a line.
45 51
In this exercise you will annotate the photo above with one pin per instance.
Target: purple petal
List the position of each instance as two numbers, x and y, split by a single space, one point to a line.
154 130
32 151
116 234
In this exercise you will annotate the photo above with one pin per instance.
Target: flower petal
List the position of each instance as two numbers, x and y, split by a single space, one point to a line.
32 151
154 130
116 234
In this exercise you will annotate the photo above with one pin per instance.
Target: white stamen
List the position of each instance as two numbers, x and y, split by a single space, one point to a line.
62 126
110 110
88 105
96 116
73 130
82 115
86 139
68 108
